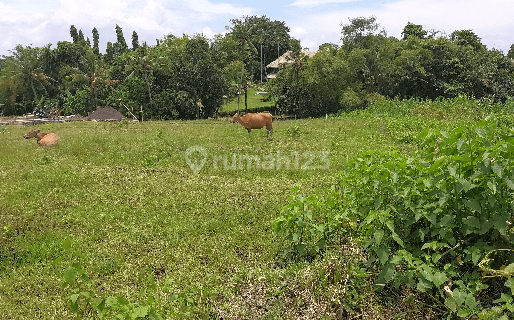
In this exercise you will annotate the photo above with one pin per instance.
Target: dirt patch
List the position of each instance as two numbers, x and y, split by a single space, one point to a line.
106 114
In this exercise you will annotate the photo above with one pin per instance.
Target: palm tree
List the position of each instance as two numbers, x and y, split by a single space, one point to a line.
23 71
141 63
93 74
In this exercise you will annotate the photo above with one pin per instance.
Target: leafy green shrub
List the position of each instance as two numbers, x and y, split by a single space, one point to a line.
164 106
305 226
428 220
294 131
78 103
408 129
350 100
300 226
84 301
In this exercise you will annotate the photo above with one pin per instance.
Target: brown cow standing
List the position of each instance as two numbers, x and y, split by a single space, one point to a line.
255 121
43 139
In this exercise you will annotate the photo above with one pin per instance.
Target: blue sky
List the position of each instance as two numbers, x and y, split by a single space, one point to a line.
314 22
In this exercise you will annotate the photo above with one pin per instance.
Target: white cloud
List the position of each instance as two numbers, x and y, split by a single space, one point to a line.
316 3
205 6
49 22
18 27
10 15
298 32
151 17
313 22
490 20
78 12
208 33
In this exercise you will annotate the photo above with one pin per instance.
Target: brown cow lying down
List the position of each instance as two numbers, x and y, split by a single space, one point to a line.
43 139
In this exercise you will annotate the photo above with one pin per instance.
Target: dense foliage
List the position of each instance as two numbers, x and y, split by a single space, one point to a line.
368 63
437 221
187 77
184 77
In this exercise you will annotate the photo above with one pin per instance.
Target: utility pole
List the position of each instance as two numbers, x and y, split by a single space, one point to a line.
261 62
241 80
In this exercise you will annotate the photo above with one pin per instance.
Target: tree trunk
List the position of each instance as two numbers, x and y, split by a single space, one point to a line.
246 100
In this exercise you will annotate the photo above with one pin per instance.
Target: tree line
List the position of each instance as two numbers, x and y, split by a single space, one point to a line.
369 65
189 77
178 78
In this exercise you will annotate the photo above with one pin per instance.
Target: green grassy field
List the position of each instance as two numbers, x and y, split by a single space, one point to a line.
254 101
125 196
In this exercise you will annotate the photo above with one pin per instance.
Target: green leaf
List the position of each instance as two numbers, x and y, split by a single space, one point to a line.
472 222
460 143
492 186
436 257
58 260
504 298
431 245
74 297
481 132
509 183
443 198
500 222
111 301
452 169
154 316
451 304
140 312
509 270
387 273
74 303
473 204
485 225
471 302
439 278
460 296
510 284
383 254
67 244
379 235
465 185
461 159
70 274
424 285
101 305
498 169
446 221
395 237
122 301
475 255
85 279
80 255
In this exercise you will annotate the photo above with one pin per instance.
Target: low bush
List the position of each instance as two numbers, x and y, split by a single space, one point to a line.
439 221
